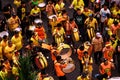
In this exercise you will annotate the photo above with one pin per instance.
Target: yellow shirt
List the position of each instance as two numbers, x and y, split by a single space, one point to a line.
17 3
9 51
40 1
33 11
3 43
13 23
17 41
78 4
58 7
115 12
91 23
110 22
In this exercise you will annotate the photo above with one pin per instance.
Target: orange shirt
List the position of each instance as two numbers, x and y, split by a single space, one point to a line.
41 33
106 68
53 55
58 68
114 28
80 54
108 53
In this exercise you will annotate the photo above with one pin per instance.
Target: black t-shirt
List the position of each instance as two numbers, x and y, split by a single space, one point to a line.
79 19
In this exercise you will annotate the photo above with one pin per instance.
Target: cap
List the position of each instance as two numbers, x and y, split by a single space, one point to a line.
98 34
107 44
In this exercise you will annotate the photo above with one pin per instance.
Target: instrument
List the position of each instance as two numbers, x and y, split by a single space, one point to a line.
4 33
48 78
65 50
41 6
18 29
36 21
41 61
75 34
114 78
69 68
52 16
32 27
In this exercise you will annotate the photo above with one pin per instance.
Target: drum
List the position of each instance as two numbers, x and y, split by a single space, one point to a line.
114 78
75 34
46 46
41 6
52 16
69 68
18 29
48 78
41 61
32 27
4 33
36 21
65 50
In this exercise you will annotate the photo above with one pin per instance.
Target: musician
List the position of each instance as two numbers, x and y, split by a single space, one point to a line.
87 11
91 26
58 68
3 72
59 34
87 62
35 39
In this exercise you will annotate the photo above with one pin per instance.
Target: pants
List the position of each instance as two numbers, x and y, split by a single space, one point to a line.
62 78
97 56
81 66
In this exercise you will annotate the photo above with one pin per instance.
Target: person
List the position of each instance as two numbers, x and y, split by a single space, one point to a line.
106 68
59 7
97 43
118 55
17 3
108 51
3 72
40 32
91 26
50 8
83 76
9 50
80 53
103 12
58 68
17 40
59 34
114 27
35 13
77 4
79 20
35 39
87 11
14 22
87 62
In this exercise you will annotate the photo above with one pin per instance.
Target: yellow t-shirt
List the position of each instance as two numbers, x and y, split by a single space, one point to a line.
58 7
9 51
78 4
3 43
17 3
1 55
91 23
115 12
33 11
110 22
17 41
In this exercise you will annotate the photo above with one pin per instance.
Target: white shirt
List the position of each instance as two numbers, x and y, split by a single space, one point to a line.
104 13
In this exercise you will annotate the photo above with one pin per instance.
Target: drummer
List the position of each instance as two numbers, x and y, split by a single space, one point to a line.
58 68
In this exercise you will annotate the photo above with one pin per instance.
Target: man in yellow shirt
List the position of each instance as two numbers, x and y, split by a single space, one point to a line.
9 50
17 40
87 11
91 26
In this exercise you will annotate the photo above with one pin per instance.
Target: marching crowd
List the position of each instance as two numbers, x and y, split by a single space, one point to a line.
94 23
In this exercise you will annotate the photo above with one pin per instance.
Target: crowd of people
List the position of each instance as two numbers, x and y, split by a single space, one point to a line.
95 24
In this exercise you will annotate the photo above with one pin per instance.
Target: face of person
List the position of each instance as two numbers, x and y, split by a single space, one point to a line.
105 7
79 12
10 44
106 63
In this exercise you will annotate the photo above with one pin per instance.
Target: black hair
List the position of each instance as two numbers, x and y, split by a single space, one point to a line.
85 52
5 36
81 48
59 25
58 58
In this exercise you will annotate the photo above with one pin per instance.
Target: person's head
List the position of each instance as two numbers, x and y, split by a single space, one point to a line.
86 54
59 25
105 7
105 62
108 44
23 4
91 16
98 35
79 11
115 23
14 15
35 7
85 8
16 33
71 20
50 2
81 48
10 43
118 16
5 37
2 68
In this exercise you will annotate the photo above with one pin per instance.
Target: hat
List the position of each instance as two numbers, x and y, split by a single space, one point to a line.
90 15
107 44
98 34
